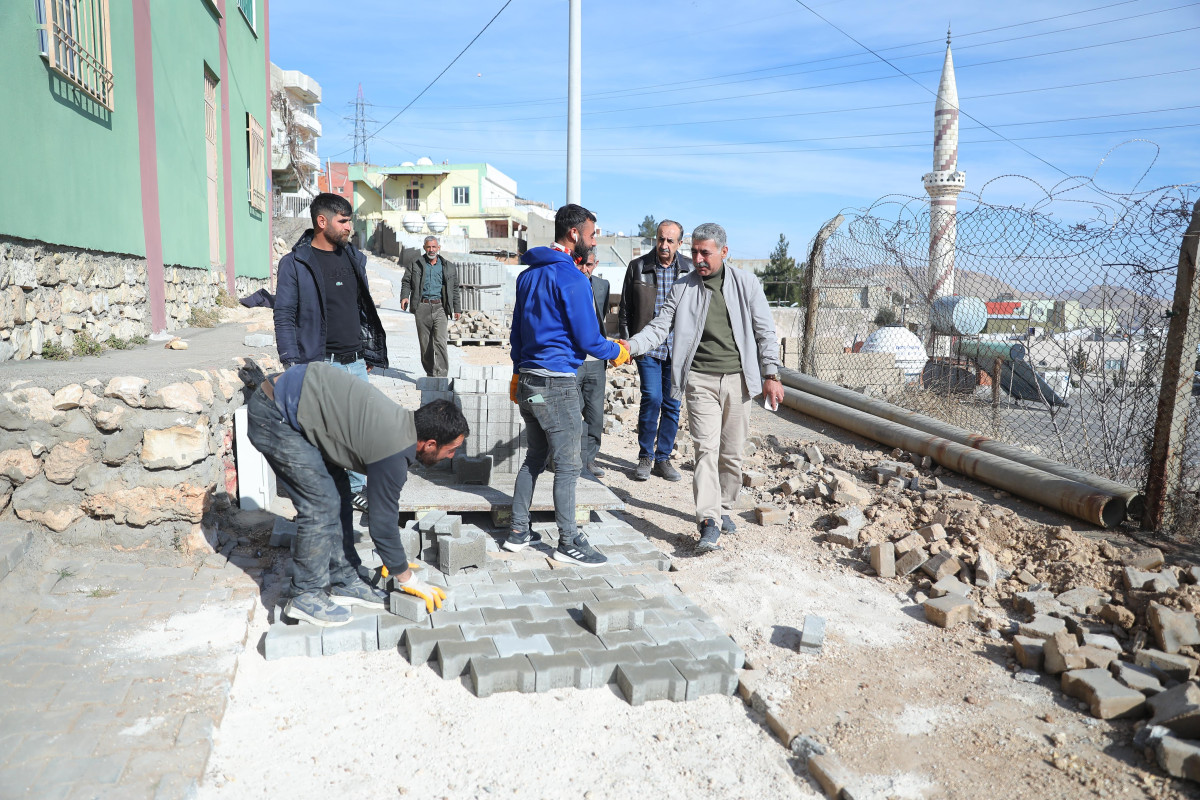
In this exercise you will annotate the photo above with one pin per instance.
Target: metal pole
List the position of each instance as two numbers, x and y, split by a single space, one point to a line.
1170 428
816 260
575 103
1086 502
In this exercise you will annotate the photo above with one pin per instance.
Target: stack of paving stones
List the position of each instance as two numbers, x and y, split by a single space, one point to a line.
497 442
476 327
522 622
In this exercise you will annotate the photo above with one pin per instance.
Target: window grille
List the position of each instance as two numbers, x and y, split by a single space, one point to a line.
256 144
247 7
462 195
77 45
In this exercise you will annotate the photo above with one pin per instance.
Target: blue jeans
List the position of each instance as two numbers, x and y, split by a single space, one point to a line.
358 369
553 421
658 417
324 552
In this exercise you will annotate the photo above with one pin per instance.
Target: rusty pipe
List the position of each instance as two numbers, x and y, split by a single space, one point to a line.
1078 499
893 413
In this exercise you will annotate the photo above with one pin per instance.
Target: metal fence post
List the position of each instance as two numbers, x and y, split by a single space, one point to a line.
1170 427
816 258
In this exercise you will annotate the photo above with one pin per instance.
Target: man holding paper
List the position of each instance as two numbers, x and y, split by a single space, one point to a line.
726 353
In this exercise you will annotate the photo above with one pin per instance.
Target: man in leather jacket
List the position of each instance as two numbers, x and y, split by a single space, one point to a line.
647 284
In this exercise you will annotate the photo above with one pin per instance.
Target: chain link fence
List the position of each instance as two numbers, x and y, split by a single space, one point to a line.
1051 334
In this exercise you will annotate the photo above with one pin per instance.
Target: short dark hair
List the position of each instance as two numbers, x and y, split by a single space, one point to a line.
671 222
441 421
328 204
570 216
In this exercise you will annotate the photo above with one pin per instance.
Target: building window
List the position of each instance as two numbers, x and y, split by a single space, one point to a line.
256 163
1114 364
247 9
462 195
76 43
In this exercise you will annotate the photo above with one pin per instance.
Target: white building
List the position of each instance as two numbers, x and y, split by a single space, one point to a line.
295 163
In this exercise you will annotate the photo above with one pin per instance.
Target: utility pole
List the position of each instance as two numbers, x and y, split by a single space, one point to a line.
574 103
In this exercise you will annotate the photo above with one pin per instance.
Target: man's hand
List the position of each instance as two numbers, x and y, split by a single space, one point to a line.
432 595
404 304
512 388
773 392
623 356
457 314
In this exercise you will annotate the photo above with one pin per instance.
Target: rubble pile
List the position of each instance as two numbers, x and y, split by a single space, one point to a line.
1114 624
477 325
620 395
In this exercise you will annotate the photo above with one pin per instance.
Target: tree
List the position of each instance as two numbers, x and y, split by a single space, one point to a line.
288 140
886 316
783 280
648 228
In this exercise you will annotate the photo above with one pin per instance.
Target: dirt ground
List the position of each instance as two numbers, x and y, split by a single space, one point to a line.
911 710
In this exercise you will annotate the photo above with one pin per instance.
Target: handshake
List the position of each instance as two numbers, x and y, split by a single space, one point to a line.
623 356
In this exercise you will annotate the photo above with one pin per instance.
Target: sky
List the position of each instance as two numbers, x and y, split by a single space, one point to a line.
760 115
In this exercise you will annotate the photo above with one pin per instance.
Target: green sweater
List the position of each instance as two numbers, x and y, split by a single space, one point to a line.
717 353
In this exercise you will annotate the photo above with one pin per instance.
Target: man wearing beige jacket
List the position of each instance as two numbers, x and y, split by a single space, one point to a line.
726 353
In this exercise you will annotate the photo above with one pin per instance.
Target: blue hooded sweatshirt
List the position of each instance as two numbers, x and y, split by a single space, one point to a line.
555 321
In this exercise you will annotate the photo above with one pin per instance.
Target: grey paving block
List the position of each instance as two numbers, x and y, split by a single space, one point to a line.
429 519
521 645
391 629
283 640
486 629
504 587
410 538
680 632
604 663
543 613
643 682
456 553
560 671
559 626
812 636
480 601
419 643
593 583
453 657
449 525
575 643
602 617
617 638
506 614
619 593
407 606
709 676
361 634
566 599
282 532
526 599
719 647
651 653
443 617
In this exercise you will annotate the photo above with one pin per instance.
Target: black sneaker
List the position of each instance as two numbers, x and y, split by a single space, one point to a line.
317 608
596 469
727 524
709 533
359 593
642 473
578 551
359 502
519 540
666 471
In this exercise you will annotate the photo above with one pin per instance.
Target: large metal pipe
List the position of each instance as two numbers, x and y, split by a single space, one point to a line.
1086 502
856 400
575 102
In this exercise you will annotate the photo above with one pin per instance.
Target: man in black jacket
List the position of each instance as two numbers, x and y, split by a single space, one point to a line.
323 305
592 376
430 289
647 284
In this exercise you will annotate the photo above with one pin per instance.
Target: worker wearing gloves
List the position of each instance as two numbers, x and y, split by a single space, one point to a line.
554 327
314 422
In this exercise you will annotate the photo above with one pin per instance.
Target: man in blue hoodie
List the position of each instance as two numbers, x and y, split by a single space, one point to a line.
554 327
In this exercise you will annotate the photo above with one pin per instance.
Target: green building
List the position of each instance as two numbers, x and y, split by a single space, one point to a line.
137 135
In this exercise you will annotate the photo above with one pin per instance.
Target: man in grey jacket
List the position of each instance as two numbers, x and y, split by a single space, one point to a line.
726 353
430 289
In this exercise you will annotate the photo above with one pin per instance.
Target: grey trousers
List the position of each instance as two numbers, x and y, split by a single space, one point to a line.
591 376
718 408
431 338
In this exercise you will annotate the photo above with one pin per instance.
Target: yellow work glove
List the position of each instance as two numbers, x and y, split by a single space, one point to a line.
383 571
432 595
623 356
512 388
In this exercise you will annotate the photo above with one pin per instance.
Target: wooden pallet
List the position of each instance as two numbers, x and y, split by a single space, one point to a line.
427 490
461 342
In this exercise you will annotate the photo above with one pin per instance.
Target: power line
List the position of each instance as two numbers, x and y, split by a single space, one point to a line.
429 85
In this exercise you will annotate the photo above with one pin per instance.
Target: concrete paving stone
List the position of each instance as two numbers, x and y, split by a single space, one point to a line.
175 786
617 638
651 653
1173 666
390 629
577 642
110 693
680 632
1178 710
565 599
539 586
709 676
941 565
547 627
1178 757
28 774
283 640
507 614
718 647
525 599
492 589
481 602
511 674
544 613
829 773
453 658
1041 627
419 643
1030 652
443 617
486 629
812 634
949 610
407 606
449 525
36 746
604 663
27 658
470 576
427 521
560 671
601 617
593 583
1106 698
1135 677
521 645
643 682
620 593
72 769
911 561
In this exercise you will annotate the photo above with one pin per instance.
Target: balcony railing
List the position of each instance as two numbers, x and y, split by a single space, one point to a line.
307 121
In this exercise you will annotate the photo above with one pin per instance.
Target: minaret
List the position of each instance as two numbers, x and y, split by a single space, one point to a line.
944 184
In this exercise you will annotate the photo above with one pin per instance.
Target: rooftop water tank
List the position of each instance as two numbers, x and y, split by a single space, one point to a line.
413 222
901 343
958 316
424 161
436 221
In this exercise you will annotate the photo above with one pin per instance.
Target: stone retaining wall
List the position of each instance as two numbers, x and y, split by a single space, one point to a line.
125 463
49 293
